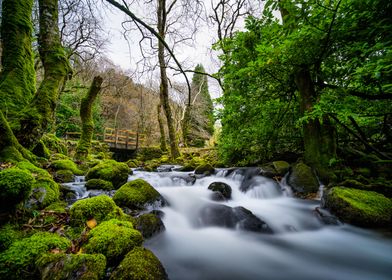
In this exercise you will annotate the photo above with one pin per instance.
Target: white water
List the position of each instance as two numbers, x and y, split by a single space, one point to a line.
301 247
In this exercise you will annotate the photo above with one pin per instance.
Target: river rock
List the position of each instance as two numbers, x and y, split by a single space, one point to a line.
248 174
225 216
149 225
222 191
281 167
302 179
205 169
359 207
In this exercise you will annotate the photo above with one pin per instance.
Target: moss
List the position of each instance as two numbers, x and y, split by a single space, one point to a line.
206 169
58 207
8 235
18 262
99 184
54 144
100 207
136 194
72 266
45 192
133 163
35 171
302 179
140 264
40 150
359 207
113 239
149 225
66 164
281 167
110 170
149 153
15 187
58 156
64 176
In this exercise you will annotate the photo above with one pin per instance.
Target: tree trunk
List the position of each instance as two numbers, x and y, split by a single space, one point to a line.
37 117
162 137
164 87
186 124
319 138
86 116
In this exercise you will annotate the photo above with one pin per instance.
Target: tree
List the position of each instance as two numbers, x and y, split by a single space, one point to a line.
28 115
198 122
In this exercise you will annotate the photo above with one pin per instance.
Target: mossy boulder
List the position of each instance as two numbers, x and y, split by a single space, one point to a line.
18 262
45 191
222 191
136 194
205 169
140 264
15 187
99 184
8 235
66 164
100 208
36 171
72 266
149 225
114 239
302 179
281 167
359 207
110 170
64 176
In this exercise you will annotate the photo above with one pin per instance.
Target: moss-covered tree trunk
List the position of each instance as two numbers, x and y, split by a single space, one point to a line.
164 87
39 115
86 116
162 136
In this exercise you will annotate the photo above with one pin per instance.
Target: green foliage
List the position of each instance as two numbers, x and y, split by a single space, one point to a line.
66 164
99 184
113 239
15 187
140 263
359 207
100 208
110 170
65 266
18 262
136 194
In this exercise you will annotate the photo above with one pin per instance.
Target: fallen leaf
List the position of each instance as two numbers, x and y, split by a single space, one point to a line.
91 223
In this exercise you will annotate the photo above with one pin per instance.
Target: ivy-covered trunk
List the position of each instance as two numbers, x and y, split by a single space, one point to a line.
86 116
319 137
164 87
39 115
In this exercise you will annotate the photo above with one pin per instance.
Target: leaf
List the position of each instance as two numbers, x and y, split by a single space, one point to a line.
91 223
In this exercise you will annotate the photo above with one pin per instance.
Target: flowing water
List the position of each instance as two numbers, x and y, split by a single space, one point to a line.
302 247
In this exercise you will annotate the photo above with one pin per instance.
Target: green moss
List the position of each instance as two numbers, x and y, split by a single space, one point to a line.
58 207
69 266
140 264
40 150
35 171
136 194
45 192
302 179
18 262
15 187
99 207
281 167
64 176
66 164
99 184
58 156
359 207
149 153
149 225
110 170
206 169
114 239
8 235
55 144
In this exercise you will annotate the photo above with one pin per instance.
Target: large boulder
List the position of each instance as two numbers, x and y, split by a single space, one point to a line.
205 169
302 179
72 266
359 207
64 176
18 262
140 263
110 170
66 164
149 225
114 239
99 184
237 217
100 208
136 194
45 192
222 191
15 187
281 167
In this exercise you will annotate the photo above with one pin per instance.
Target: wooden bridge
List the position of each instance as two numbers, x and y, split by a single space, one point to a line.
117 139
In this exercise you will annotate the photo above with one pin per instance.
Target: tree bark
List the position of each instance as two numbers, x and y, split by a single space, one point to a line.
164 86
86 116
36 119
162 137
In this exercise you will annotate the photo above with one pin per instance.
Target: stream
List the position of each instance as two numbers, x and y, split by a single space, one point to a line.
301 246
